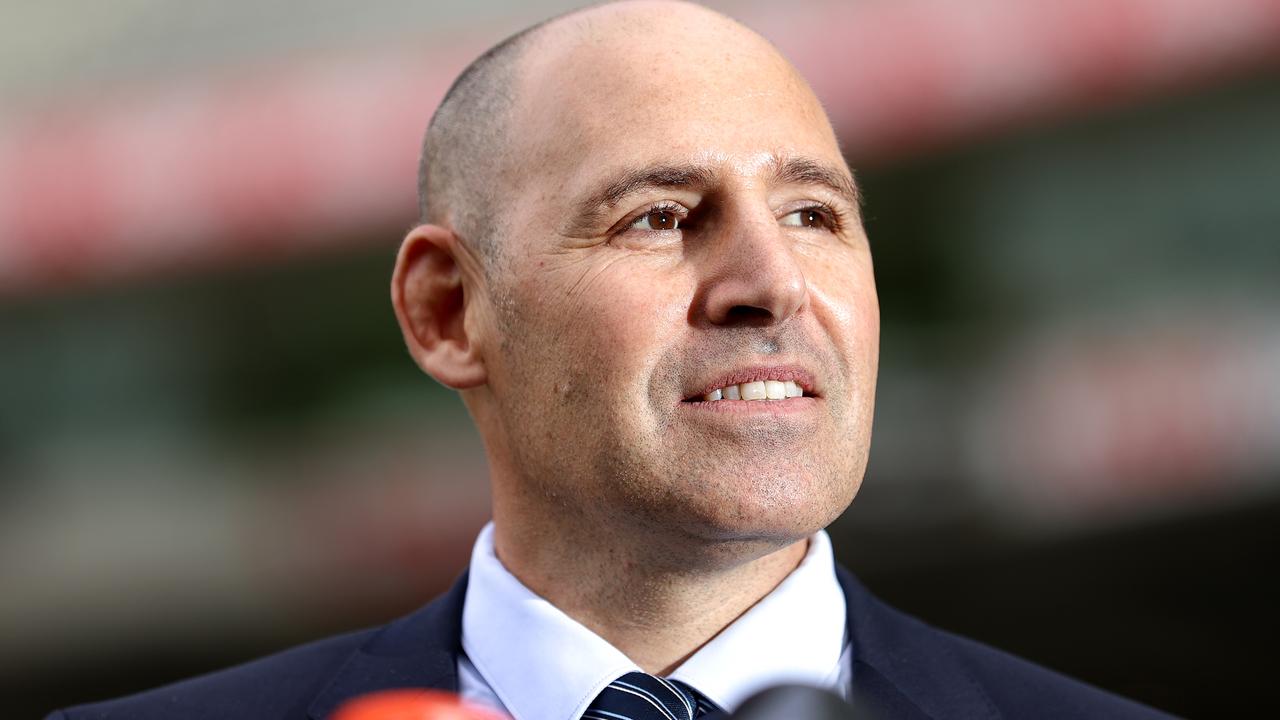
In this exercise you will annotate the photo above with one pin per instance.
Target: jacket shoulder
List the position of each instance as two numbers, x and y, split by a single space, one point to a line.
418 650
1020 688
276 686
904 667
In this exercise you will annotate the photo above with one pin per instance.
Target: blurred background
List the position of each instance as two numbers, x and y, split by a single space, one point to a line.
213 445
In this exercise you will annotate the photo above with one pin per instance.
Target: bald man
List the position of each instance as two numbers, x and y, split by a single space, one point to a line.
642 265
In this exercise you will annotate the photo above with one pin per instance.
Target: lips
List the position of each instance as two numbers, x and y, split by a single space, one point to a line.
762 384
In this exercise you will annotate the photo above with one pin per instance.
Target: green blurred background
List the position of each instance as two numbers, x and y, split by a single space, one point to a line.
213 445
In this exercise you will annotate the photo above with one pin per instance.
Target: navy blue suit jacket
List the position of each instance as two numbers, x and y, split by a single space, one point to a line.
902 668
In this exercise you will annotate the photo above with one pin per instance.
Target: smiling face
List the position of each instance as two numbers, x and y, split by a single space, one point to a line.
681 226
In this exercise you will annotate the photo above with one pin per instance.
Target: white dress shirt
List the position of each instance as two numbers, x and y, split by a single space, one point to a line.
523 656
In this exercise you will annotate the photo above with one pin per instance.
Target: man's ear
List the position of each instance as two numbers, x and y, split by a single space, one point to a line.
429 293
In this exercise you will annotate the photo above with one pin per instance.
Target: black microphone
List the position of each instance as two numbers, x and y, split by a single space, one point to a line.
797 702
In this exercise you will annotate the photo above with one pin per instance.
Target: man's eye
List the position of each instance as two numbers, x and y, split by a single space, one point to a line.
808 217
657 219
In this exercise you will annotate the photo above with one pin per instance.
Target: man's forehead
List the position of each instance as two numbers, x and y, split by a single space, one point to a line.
579 155
640 116
618 88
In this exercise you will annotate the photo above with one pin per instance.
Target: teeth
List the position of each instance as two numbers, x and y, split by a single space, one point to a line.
758 390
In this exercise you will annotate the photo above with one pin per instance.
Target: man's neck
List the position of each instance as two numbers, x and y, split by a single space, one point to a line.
656 613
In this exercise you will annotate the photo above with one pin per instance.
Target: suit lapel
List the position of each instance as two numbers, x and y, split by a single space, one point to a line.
903 668
417 651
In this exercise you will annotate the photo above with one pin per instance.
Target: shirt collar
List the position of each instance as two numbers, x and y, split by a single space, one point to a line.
543 664
540 662
795 634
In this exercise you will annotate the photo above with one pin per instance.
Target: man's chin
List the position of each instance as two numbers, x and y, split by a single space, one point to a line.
715 548
772 514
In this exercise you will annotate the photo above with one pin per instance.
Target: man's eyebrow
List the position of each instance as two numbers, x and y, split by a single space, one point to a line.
803 171
638 180
790 170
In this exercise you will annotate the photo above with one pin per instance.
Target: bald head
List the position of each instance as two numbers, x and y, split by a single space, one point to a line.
463 152
471 154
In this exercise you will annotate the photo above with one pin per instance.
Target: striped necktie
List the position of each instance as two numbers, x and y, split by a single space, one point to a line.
638 696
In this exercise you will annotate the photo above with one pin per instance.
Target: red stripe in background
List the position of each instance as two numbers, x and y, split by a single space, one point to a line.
300 155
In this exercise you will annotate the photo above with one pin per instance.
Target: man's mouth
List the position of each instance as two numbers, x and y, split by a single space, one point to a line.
763 390
758 384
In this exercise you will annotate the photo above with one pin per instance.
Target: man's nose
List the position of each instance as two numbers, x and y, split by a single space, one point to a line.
751 275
